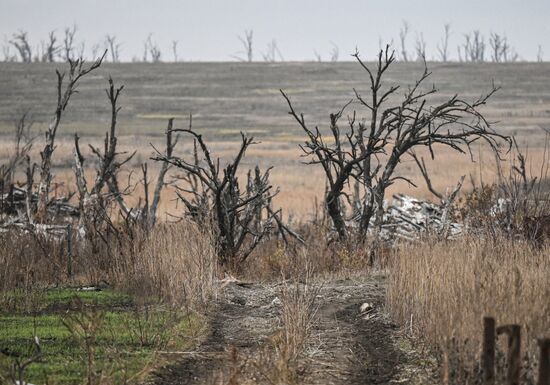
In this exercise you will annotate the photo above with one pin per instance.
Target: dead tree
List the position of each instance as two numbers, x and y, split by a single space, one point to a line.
113 47
64 92
339 160
149 210
272 53
92 201
403 32
443 46
370 150
22 145
6 52
318 57
105 192
420 48
95 50
473 49
175 50
501 51
68 43
80 49
50 49
151 49
21 43
247 54
334 53
241 214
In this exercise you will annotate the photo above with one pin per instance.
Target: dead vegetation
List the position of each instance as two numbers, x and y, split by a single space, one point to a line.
439 288
440 291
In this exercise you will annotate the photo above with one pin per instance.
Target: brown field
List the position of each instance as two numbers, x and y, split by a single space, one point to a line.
352 310
226 98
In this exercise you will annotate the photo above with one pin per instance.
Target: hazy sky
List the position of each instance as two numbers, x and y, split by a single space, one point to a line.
208 29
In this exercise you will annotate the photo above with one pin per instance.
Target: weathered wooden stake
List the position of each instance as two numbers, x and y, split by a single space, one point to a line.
544 362
488 351
513 356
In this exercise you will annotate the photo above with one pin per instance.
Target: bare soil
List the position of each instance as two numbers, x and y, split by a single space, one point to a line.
345 346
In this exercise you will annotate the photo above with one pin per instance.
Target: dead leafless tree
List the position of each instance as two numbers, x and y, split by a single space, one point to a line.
247 54
80 49
273 53
334 53
242 215
370 150
318 57
175 50
50 49
6 52
113 47
64 92
21 43
95 50
500 49
473 49
95 201
22 145
403 32
151 49
420 47
443 46
150 210
92 200
68 43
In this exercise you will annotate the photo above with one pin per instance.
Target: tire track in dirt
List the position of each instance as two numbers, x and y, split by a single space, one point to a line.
241 321
345 345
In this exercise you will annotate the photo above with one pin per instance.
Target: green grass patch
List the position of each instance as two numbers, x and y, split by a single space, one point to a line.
89 333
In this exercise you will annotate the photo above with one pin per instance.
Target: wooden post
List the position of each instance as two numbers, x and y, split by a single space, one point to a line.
513 356
488 351
544 362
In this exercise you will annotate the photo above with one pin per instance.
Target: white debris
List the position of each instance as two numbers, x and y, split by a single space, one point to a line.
366 307
408 218
89 288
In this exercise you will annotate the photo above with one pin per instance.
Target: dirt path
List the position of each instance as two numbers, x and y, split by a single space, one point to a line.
346 346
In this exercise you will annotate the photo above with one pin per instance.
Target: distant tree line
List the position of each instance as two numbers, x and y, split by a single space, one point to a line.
472 47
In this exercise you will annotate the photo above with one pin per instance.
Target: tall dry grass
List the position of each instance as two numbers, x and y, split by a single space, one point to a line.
441 291
173 263
176 263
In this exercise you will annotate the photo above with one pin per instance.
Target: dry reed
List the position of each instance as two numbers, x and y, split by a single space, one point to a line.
441 290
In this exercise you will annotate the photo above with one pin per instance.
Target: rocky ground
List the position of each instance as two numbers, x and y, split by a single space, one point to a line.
351 340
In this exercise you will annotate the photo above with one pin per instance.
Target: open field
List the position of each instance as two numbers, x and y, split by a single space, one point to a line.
226 98
223 291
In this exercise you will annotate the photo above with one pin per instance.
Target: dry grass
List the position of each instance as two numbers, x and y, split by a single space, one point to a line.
280 361
300 184
441 291
176 263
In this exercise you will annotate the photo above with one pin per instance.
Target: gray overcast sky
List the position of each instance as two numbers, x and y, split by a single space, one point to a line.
208 29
